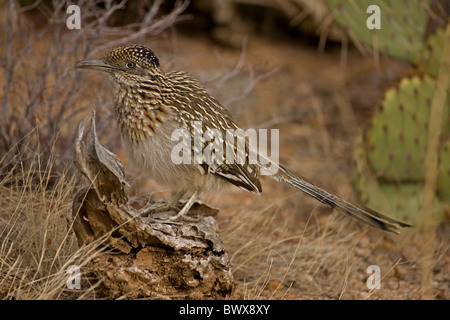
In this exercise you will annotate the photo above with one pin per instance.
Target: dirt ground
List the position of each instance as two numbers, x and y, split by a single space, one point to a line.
283 244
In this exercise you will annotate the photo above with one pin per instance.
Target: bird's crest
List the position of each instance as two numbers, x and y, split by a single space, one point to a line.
137 53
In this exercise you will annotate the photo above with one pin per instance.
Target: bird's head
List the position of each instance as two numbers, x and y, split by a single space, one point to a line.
125 64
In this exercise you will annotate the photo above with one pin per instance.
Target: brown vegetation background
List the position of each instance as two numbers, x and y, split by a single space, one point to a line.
274 64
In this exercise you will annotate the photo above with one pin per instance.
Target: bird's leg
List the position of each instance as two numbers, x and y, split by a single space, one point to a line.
170 204
174 200
187 207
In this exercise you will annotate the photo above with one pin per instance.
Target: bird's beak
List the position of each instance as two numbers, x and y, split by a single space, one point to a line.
95 64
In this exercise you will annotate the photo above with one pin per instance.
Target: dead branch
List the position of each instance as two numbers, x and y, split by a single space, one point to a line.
151 257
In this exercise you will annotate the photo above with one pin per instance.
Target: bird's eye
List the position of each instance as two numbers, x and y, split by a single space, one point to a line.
130 65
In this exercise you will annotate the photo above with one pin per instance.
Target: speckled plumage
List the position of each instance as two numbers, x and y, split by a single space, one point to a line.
151 104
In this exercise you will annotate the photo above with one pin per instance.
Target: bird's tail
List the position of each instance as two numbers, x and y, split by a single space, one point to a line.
359 212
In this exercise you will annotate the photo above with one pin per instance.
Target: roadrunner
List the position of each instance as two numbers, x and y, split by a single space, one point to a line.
151 104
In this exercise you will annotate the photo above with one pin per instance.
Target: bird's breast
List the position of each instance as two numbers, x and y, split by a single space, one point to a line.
139 114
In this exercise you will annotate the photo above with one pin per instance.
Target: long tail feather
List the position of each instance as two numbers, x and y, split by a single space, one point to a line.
359 212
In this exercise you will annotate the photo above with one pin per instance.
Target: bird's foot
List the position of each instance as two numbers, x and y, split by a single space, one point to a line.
159 207
167 212
183 216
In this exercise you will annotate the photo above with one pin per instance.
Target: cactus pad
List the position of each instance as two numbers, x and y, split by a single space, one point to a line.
403 24
390 164
398 137
431 56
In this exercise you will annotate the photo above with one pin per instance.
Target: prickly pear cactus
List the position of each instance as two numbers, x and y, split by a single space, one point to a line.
390 162
430 57
403 24
390 157
397 199
397 141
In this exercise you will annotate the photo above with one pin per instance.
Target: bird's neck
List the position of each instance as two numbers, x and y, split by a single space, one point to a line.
139 109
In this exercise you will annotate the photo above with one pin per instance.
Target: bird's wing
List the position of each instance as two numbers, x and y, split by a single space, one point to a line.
225 153
215 137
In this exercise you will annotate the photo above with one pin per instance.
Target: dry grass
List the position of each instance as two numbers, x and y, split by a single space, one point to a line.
281 247
269 255
276 261
42 97
37 246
